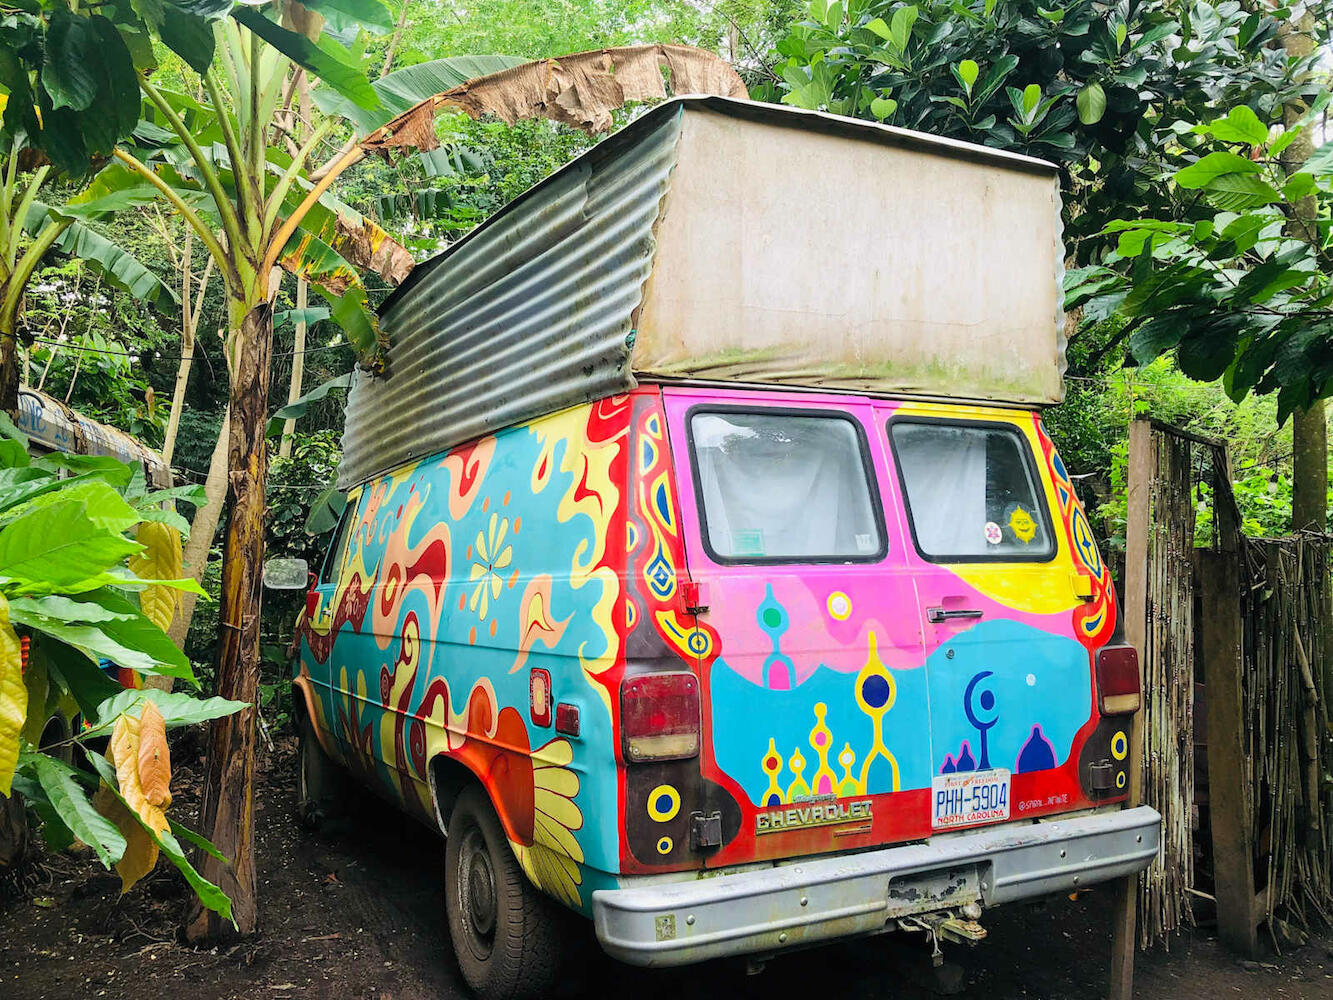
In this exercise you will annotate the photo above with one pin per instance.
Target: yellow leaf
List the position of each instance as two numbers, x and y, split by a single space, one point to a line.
154 757
13 698
124 750
159 560
140 849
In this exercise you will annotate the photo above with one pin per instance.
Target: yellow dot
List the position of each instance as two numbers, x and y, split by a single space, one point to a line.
663 803
1119 746
839 605
1120 780
664 845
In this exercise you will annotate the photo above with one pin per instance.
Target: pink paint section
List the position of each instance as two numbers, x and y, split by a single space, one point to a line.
879 598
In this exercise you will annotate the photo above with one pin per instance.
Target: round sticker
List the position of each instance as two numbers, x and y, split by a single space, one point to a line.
993 533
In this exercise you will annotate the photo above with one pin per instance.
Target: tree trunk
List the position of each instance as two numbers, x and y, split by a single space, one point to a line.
1309 429
228 800
203 528
302 286
9 373
298 367
1309 469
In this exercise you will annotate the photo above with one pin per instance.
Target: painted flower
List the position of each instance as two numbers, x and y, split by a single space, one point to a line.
490 558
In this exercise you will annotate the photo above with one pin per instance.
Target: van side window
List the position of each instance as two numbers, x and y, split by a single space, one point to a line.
334 557
972 492
784 486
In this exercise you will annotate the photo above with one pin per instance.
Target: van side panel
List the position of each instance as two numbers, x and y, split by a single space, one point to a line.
492 568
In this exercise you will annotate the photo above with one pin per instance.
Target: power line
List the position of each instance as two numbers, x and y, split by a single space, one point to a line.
171 357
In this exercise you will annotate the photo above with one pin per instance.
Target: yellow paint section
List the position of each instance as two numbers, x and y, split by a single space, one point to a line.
1037 588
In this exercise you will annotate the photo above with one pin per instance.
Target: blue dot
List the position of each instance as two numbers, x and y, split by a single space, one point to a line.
663 804
987 700
875 691
773 800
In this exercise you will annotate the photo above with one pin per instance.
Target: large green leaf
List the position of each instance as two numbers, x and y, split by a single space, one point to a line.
116 265
325 510
348 15
71 804
403 88
59 546
324 59
177 709
75 673
351 311
133 629
1205 171
69 69
124 649
189 36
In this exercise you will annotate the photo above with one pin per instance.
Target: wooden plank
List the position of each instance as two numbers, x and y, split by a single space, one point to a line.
1224 720
1142 470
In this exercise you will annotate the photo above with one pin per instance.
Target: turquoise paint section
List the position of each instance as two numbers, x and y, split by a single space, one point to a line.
495 538
787 717
1001 680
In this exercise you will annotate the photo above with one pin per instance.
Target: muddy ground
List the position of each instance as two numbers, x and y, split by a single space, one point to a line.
361 916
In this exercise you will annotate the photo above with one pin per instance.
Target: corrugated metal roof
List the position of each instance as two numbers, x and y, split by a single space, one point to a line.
532 311
527 315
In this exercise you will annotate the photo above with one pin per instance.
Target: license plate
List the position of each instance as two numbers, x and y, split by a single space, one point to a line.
968 798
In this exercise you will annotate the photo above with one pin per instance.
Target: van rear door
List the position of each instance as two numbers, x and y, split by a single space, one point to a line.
813 694
1012 694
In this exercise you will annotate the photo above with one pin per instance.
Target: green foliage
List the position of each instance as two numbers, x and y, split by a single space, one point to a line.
1098 86
1226 280
64 541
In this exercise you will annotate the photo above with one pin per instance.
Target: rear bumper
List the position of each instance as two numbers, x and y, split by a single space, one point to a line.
819 899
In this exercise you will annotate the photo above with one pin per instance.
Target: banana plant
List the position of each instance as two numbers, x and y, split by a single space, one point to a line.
29 231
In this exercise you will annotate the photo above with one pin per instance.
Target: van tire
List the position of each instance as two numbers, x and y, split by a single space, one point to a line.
321 785
510 944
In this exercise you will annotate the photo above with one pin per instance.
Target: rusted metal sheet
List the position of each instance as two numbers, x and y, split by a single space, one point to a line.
53 426
527 315
725 240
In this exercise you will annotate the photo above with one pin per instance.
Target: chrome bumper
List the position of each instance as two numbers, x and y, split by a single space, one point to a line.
769 910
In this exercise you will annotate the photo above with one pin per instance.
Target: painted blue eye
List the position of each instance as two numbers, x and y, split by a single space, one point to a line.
663 803
987 700
875 691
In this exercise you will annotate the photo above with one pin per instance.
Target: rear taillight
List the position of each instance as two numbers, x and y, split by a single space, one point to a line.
1118 689
659 717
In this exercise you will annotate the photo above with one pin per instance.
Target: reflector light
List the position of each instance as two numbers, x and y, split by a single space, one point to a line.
567 719
659 716
539 696
1118 690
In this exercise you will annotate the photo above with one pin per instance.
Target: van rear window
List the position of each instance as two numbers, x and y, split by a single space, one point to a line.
784 487
971 491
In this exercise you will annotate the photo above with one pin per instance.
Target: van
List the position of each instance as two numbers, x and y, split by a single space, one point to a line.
706 569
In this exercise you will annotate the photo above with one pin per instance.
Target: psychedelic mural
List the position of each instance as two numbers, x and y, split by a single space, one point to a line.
490 560
571 546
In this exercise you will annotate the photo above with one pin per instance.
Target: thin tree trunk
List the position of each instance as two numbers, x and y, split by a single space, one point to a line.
302 286
1309 428
203 528
228 799
187 353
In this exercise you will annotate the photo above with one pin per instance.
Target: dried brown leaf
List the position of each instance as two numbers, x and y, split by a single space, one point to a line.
581 90
154 757
365 245
140 849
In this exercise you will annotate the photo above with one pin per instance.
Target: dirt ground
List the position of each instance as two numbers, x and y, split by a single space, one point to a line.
361 916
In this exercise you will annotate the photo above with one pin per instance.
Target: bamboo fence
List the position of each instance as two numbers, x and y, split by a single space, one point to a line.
1285 684
1168 685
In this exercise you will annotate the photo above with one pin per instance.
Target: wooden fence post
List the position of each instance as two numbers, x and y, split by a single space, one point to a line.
1228 777
1142 470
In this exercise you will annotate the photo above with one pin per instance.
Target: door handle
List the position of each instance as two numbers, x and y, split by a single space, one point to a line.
938 616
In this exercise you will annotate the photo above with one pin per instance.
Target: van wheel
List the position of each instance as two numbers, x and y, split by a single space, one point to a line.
321 785
506 934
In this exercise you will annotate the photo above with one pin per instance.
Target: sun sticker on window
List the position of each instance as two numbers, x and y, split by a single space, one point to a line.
993 533
1022 524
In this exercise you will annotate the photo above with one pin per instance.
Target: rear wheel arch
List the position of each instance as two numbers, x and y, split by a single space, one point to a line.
448 778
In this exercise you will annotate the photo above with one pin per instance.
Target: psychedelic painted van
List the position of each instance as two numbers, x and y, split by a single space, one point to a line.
736 635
